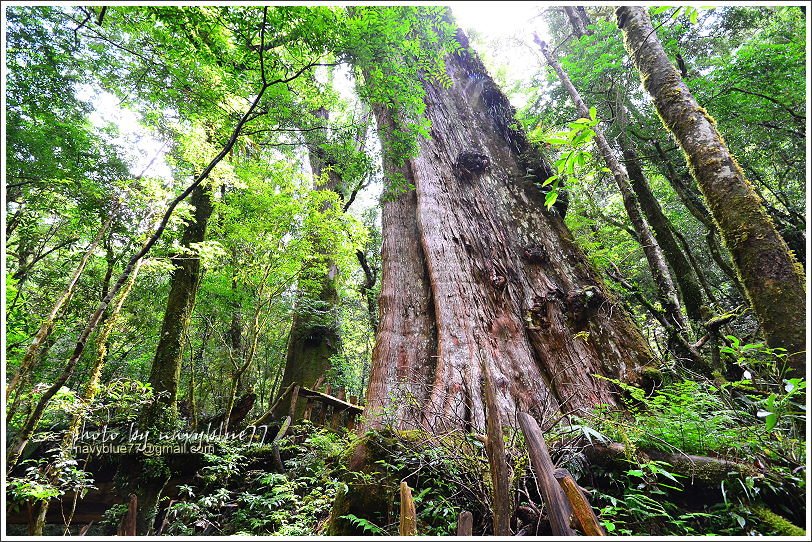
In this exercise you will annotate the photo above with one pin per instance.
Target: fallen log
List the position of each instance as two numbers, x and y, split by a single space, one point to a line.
698 469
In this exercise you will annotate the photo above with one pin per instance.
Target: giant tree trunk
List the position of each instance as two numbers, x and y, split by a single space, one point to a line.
475 273
772 278
404 357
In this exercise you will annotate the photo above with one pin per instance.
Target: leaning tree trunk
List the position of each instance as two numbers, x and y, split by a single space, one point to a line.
33 352
651 249
475 273
772 277
685 277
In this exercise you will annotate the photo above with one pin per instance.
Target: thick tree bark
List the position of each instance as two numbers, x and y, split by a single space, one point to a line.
165 373
404 356
486 278
772 278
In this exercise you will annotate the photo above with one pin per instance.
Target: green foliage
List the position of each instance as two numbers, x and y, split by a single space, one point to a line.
188 74
573 155
263 503
392 48
364 524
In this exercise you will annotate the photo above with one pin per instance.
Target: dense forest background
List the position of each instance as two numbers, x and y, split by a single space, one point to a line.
221 217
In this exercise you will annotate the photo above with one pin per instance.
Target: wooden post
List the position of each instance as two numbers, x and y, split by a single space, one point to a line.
294 397
338 414
324 415
465 524
558 509
580 505
408 515
352 416
495 449
127 527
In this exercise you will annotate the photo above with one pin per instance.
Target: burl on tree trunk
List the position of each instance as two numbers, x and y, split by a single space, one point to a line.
475 273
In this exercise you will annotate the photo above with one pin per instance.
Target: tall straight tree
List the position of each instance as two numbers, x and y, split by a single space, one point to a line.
772 277
655 257
165 373
314 332
475 273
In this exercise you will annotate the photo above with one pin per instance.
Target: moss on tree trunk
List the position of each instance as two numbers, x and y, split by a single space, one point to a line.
772 277
165 373
683 272
314 332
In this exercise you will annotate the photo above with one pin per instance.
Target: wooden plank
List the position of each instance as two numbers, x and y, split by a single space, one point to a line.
408 514
465 524
330 400
581 508
497 460
558 510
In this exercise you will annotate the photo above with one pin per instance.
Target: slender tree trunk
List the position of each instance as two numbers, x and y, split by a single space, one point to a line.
90 391
165 373
684 274
16 447
654 254
693 202
31 356
474 272
772 278
577 21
